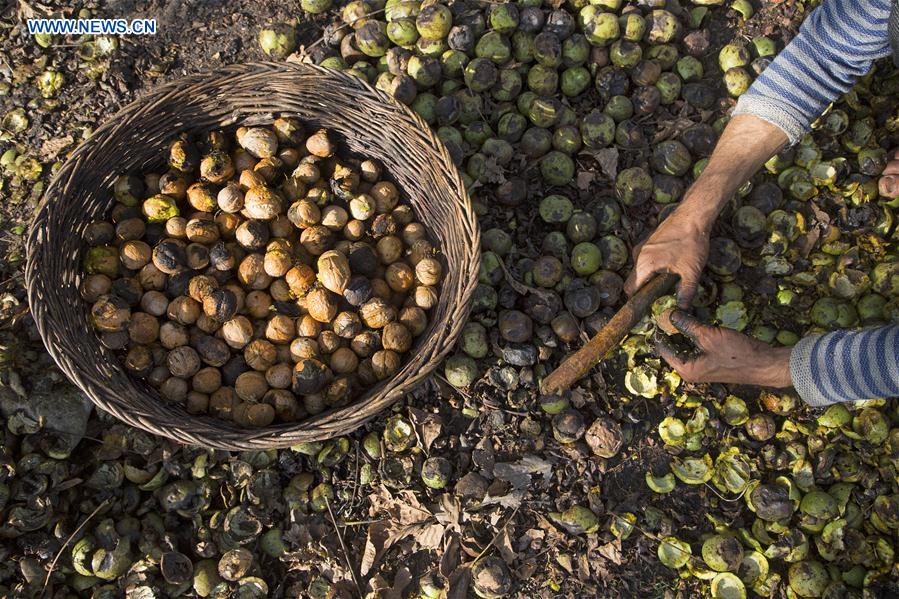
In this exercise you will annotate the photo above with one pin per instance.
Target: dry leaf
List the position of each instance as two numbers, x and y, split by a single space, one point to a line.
450 514
608 161
429 536
584 179
518 474
427 426
521 288
458 583
565 561
672 129
612 551
402 580
494 172
504 545
375 546
52 147
583 567
450 559
298 535
512 500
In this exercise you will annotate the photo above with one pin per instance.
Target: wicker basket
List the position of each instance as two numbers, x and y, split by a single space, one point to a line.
369 123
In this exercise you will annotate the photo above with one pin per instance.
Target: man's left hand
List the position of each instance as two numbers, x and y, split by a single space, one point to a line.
728 356
889 178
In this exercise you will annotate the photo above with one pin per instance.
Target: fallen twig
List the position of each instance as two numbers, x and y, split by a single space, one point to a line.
346 554
71 536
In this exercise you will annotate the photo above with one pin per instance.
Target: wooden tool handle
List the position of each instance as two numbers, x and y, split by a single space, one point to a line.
580 362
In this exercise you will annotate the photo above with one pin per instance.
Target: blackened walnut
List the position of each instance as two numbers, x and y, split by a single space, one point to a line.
220 304
232 369
347 325
183 362
357 291
221 257
212 351
200 286
128 289
169 256
110 314
252 234
197 256
363 259
382 225
177 284
93 286
309 376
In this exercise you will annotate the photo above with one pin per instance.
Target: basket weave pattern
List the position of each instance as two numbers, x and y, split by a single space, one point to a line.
368 122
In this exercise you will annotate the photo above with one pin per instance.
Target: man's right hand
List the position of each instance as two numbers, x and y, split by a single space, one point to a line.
680 245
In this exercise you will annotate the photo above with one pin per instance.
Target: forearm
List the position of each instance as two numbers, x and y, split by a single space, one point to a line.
745 145
847 366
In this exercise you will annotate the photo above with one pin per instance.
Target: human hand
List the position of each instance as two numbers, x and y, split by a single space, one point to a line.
679 245
889 178
728 356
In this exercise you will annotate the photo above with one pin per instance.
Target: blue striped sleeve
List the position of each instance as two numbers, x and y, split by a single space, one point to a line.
836 45
847 366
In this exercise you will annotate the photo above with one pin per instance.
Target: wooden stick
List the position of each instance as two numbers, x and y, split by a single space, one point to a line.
578 364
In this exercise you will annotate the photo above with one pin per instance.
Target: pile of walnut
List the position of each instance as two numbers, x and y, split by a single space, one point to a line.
262 282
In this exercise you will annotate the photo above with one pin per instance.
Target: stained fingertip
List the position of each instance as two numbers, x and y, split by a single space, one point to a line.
679 318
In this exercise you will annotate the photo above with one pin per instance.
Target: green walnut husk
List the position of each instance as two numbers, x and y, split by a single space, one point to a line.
436 472
461 371
160 208
576 520
315 6
674 553
722 553
278 42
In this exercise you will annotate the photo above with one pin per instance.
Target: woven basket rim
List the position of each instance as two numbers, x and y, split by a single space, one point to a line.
374 400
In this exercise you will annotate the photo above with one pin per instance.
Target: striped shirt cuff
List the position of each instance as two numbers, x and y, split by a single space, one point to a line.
847 366
773 112
802 374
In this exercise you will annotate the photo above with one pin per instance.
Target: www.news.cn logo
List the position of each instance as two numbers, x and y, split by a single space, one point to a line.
92 26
